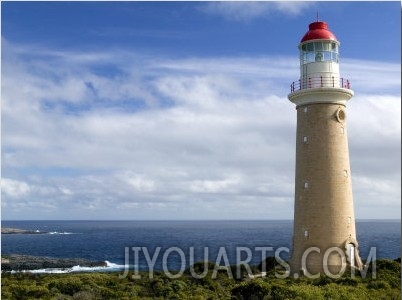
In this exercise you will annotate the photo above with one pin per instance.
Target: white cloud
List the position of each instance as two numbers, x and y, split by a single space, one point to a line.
370 111
65 191
375 189
374 131
138 182
172 138
14 188
372 76
226 185
248 10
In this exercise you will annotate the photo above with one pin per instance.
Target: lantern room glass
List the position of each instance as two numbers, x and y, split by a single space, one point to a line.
319 51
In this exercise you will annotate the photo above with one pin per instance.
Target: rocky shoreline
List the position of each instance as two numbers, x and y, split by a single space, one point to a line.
15 262
20 231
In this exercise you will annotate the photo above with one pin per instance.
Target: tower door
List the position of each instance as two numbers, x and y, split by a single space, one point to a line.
351 252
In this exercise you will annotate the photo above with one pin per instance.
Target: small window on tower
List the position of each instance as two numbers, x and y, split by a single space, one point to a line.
304 139
306 185
345 173
349 220
342 130
305 109
306 233
340 115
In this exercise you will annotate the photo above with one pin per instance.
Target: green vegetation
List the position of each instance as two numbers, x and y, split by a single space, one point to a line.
80 286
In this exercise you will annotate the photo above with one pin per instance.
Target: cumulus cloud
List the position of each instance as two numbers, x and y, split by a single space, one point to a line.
14 188
173 138
374 133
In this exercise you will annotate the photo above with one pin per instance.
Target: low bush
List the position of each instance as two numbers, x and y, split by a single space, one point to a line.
386 285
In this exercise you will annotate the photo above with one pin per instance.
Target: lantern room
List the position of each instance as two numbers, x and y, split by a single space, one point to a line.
319 67
319 59
318 51
318 44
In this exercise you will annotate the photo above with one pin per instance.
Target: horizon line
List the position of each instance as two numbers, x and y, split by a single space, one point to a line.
184 220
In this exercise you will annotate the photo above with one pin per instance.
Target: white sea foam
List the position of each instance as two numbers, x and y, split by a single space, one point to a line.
115 266
64 232
110 267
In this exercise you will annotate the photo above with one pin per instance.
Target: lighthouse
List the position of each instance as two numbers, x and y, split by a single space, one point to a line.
324 234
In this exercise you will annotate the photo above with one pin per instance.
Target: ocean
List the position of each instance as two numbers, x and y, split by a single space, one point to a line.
113 241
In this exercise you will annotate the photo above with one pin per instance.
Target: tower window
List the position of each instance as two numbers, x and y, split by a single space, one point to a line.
345 173
306 185
304 139
340 115
342 130
349 220
306 233
305 109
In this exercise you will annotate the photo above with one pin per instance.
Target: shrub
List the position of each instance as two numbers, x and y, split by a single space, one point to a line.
347 281
253 289
389 265
378 284
178 285
281 292
68 285
270 263
199 267
307 292
107 286
337 292
243 271
383 266
84 295
322 280
22 291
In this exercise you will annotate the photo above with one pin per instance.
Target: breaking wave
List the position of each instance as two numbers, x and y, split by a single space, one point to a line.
64 232
110 267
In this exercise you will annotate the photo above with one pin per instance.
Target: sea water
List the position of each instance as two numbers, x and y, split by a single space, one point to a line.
111 241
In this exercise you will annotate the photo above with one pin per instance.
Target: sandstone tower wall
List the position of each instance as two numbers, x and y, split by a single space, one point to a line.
324 215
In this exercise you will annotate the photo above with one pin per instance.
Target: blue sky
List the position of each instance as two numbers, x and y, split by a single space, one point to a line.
179 110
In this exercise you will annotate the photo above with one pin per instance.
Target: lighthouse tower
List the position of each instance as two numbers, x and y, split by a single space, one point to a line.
324 234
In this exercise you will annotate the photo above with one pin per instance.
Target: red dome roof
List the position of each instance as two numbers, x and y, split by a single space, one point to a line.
318 31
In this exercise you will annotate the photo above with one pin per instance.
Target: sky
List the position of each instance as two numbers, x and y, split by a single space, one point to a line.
179 110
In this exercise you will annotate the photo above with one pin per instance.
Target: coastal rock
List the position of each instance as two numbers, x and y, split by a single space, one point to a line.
27 262
20 231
